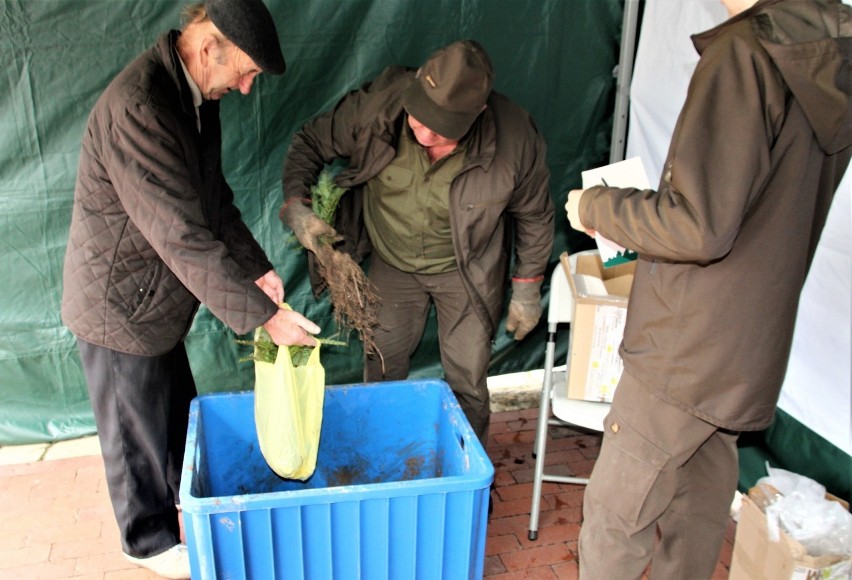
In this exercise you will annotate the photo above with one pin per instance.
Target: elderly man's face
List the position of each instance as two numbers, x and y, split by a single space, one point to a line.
228 68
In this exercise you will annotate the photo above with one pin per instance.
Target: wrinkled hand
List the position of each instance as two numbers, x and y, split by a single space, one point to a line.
288 327
572 207
272 286
309 228
524 307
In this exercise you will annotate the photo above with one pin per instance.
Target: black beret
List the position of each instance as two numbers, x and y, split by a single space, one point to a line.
249 25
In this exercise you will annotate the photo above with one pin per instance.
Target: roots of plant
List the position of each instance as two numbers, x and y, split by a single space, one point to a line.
353 297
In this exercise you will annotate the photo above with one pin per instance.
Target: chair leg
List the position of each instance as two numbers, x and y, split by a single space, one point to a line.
541 434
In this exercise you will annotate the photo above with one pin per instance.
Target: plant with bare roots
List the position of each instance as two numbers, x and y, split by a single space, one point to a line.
353 297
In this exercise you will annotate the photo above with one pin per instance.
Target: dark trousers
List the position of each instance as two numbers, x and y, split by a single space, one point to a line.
465 346
660 491
141 407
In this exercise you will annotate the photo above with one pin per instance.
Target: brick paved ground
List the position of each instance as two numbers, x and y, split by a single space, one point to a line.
510 555
57 521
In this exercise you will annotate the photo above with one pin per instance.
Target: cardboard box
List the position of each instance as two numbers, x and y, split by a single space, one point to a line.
600 311
756 557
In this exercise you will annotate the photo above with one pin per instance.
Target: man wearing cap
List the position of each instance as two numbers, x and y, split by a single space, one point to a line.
154 231
442 169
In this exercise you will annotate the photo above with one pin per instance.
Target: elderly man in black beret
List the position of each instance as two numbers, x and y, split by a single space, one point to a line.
155 232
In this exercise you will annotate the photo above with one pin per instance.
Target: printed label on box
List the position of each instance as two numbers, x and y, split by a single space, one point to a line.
605 364
839 571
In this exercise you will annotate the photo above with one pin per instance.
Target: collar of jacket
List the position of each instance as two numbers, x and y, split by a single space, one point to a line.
381 141
482 146
703 39
167 51
809 43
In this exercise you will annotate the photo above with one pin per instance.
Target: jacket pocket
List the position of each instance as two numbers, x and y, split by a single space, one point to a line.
145 294
395 179
632 465
498 202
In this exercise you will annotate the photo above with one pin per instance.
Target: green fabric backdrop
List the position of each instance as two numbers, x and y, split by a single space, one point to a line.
790 445
554 57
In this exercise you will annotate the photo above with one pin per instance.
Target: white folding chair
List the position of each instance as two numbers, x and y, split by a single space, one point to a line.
585 414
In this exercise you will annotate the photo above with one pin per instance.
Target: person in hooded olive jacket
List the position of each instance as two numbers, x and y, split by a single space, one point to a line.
443 169
154 231
724 245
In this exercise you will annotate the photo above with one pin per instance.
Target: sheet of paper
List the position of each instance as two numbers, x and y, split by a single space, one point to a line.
627 173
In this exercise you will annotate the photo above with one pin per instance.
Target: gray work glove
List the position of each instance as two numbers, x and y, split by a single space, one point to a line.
524 307
309 228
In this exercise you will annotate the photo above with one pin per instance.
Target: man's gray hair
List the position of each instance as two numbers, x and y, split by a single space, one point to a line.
193 14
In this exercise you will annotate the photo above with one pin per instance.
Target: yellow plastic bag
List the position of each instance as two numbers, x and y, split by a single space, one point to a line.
288 412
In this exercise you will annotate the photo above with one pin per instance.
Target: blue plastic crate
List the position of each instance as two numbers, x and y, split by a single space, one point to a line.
401 490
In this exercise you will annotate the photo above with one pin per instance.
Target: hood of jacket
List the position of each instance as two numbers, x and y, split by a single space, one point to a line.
811 45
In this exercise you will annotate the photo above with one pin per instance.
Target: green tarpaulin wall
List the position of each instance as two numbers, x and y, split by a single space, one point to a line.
790 445
554 57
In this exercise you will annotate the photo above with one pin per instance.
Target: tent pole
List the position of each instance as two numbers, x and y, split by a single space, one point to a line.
623 73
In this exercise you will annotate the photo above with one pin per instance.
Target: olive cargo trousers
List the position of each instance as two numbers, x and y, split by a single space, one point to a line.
465 345
660 491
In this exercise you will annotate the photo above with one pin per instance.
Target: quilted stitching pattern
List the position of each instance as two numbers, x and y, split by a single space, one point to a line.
118 291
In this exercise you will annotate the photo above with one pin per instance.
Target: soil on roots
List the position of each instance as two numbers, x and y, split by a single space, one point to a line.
353 297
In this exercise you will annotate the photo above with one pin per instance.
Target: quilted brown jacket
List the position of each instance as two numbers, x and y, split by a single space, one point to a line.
154 228
726 240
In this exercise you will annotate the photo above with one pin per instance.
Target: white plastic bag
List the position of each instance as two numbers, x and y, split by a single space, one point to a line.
822 526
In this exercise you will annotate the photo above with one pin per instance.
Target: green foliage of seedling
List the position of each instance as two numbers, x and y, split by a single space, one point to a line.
326 197
264 350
